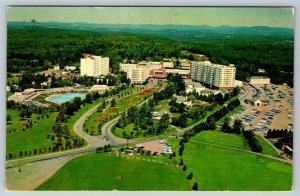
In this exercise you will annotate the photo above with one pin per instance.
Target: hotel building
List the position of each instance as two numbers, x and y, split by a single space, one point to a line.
95 66
213 74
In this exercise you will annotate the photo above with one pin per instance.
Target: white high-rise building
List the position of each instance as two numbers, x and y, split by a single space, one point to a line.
213 74
94 66
137 73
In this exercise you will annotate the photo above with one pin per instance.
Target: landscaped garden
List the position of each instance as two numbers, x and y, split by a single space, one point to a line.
110 110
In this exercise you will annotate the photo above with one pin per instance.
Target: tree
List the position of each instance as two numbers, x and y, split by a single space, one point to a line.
163 123
8 118
190 176
77 103
226 127
113 102
237 126
181 162
103 104
89 98
195 186
183 120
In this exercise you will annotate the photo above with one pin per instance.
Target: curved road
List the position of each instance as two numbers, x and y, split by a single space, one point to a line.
93 141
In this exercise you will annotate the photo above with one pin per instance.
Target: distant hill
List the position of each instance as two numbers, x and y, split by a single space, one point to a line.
165 30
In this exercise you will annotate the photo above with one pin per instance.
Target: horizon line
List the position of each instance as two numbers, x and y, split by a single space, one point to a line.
151 24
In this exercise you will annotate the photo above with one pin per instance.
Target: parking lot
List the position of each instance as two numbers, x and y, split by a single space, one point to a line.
274 112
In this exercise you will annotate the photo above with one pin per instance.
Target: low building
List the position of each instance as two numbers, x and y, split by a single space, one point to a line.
168 64
70 68
163 73
257 103
238 83
191 86
184 100
56 67
99 88
158 115
185 66
259 80
261 70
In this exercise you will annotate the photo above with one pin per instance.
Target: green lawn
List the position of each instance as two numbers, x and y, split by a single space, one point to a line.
163 104
16 124
267 149
216 168
35 137
220 138
102 172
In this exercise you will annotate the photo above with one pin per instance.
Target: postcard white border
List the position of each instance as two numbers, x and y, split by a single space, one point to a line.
5 3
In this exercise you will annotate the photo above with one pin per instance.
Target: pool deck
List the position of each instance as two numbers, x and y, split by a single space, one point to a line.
49 98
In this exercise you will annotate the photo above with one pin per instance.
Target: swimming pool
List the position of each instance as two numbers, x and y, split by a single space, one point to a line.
66 97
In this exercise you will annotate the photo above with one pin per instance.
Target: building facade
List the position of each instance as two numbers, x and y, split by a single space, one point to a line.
213 74
137 73
95 66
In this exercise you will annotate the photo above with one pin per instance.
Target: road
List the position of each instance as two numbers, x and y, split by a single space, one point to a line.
93 142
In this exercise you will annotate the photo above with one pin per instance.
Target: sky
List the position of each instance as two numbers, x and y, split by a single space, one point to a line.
212 16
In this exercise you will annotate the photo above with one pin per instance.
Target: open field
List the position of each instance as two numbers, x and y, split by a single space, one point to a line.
31 138
102 172
216 168
220 138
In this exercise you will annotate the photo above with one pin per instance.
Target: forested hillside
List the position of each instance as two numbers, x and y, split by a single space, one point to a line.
249 48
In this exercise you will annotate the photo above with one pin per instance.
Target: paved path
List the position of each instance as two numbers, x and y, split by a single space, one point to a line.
246 151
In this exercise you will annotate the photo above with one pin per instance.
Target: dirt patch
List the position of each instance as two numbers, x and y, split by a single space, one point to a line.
153 146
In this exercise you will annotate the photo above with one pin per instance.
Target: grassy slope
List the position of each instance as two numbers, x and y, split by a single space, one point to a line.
267 149
35 137
220 138
100 172
217 168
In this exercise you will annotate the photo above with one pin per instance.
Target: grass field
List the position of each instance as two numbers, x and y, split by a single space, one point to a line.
16 123
163 104
31 138
220 138
267 149
101 172
217 168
